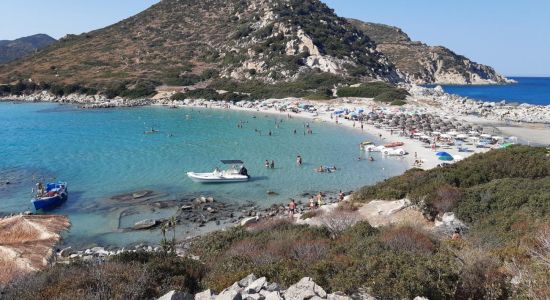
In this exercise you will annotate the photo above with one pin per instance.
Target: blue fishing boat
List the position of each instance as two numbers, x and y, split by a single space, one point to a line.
50 196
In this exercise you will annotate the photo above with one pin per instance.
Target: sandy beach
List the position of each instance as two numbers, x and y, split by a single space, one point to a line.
416 150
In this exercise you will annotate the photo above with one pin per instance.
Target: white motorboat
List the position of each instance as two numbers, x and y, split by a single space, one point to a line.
394 152
232 174
373 148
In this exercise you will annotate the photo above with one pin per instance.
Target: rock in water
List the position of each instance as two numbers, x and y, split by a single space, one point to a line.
145 224
141 194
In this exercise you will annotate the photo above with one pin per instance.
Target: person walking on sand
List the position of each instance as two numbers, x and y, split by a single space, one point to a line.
291 208
312 203
341 196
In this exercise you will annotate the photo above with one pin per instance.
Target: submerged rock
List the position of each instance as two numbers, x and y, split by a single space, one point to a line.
145 224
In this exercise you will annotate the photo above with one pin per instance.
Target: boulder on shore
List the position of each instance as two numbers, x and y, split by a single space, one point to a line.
250 220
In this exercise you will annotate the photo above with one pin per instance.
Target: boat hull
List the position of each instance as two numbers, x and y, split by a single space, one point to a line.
212 178
49 203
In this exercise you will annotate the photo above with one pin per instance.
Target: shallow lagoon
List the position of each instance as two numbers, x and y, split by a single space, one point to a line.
102 153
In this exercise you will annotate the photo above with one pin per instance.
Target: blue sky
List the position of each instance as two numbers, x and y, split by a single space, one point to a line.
510 35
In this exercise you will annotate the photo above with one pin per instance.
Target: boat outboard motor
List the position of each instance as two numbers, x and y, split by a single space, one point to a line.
243 171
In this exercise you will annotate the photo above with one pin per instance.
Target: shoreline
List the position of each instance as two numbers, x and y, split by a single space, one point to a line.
426 154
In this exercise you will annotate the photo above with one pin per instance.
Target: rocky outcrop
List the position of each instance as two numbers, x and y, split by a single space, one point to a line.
253 288
493 111
425 64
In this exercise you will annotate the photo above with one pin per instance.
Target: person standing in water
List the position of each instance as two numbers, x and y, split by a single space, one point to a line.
299 160
272 165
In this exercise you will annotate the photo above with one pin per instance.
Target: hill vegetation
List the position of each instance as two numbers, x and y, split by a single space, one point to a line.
22 47
502 195
424 64
184 42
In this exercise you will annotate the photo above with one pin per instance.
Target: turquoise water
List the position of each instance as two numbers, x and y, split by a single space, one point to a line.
105 152
532 90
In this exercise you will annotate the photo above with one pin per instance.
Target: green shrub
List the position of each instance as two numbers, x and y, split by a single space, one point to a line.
392 96
398 103
129 276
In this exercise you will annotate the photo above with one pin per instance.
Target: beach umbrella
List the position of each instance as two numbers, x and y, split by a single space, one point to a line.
446 158
442 153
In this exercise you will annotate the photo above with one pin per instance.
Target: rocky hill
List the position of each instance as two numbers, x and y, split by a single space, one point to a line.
16 49
182 42
425 64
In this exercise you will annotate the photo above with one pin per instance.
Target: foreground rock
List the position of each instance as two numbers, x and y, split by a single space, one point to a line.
253 288
26 243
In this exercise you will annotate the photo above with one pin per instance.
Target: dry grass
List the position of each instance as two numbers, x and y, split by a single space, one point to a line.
26 243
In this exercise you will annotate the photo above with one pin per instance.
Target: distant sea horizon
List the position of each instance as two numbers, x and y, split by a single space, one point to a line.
532 90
